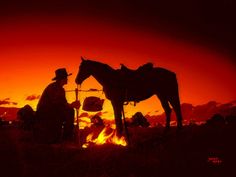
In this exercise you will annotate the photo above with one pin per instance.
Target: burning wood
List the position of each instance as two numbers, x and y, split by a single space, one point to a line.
108 135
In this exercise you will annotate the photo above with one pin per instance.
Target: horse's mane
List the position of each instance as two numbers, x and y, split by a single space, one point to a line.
102 64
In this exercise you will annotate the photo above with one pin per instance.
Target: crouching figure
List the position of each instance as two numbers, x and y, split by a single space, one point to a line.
54 115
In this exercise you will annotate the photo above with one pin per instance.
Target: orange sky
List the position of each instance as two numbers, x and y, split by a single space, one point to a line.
32 49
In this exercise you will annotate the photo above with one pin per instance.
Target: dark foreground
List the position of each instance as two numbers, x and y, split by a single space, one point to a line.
196 151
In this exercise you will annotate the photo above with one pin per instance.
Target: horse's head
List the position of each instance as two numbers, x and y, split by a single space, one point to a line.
84 71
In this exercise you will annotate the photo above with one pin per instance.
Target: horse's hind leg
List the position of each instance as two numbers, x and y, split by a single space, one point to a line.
167 109
175 103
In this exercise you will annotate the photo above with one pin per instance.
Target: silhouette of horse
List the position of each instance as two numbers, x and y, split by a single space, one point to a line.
124 85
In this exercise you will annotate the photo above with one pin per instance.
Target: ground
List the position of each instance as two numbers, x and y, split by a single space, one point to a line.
194 151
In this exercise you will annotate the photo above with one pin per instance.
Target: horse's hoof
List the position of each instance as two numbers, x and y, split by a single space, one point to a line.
166 130
179 127
119 134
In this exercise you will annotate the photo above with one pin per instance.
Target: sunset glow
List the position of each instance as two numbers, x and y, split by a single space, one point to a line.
117 88
31 50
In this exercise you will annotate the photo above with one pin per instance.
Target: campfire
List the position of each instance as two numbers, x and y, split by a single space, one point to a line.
108 135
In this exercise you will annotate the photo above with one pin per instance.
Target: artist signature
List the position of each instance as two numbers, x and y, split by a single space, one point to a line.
214 160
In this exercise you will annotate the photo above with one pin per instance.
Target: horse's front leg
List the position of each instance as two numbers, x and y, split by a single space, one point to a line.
117 107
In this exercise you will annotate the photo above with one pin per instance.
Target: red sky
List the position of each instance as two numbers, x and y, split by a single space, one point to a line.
34 45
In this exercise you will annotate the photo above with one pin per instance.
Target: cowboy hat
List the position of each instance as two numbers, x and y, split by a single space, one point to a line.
61 73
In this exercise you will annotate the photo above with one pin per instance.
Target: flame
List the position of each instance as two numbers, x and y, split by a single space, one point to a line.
108 135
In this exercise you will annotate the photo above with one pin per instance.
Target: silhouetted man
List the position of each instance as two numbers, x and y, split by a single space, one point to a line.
53 110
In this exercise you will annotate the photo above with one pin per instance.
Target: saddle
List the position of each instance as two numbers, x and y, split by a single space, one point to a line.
130 78
124 70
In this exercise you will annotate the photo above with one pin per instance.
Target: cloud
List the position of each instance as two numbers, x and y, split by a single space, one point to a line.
8 113
99 114
7 101
105 112
84 114
199 112
206 111
32 97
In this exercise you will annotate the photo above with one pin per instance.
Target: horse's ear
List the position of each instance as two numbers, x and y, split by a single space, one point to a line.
82 59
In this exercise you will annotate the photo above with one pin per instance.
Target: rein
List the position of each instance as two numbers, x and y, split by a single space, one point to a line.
89 90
